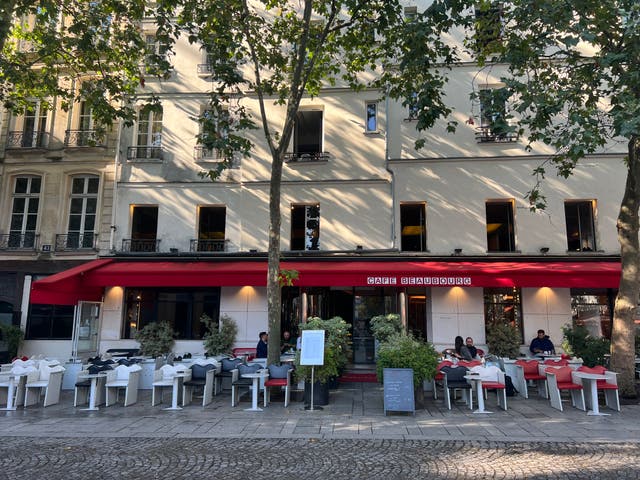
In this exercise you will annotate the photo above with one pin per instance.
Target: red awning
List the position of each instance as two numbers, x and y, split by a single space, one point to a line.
88 281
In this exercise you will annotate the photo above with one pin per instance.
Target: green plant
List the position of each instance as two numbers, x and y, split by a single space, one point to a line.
579 343
383 326
13 336
156 339
219 338
336 349
503 340
405 351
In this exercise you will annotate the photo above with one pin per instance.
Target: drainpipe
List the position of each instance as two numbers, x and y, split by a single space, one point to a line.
114 205
391 172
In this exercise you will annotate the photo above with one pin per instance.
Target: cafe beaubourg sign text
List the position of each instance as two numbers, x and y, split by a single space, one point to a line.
411 280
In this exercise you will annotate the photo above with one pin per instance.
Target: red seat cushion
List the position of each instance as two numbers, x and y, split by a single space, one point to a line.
535 376
598 369
563 374
492 385
556 363
439 376
569 386
276 382
603 385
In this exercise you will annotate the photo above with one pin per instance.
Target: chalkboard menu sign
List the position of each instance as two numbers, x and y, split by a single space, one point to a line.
398 390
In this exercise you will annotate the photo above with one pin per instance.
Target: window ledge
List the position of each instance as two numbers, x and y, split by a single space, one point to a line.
144 160
373 133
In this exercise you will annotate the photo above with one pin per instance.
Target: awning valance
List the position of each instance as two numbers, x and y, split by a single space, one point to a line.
88 281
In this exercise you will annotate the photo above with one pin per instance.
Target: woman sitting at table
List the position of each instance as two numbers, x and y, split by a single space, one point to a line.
460 351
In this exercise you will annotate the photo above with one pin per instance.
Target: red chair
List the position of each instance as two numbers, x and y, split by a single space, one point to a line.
480 352
247 352
609 386
556 363
280 383
469 363
439 376
563 378
527 371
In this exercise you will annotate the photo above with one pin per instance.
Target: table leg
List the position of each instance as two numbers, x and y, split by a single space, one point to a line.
595 408
480 395
10 394
174 395
92 395
254 397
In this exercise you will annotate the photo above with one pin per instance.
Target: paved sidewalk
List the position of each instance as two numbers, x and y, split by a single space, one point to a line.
355 412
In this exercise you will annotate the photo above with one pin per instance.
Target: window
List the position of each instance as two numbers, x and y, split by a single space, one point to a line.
593 309
30 129
52 322
503 306
211 226
82 212
307 135
24 212
500 227
149 133
494 116
410 13
305 227
144 225
581 235
155 59
413 225
371 121
488 25
85 135
413 107
213 129
180 307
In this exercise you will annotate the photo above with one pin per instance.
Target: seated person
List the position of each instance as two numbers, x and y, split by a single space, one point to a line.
461 352
288 343
473 351
262 348
541 344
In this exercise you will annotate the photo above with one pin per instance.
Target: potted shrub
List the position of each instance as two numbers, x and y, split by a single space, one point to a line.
156 339
403 350
579 343
336 350
219 337
13 337
383 326
503 340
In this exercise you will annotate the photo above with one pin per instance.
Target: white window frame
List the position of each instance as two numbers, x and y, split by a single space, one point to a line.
85 196
374 104
153 139
28 196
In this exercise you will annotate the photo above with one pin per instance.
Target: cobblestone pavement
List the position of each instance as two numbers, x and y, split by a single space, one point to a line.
182 458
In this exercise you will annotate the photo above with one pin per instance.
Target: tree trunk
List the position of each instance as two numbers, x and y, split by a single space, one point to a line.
274 291
623 332
6 20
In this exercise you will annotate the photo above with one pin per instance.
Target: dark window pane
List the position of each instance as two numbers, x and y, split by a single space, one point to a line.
19 204
308 132
77 186
76 206
503 306
91 205
21 185
500 228
413 227
93 185
33 205
35 185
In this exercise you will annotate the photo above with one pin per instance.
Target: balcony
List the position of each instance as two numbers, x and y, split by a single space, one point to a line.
208 245
19 241
203 153
144 152
84 138
487 135
141 245
27 140
73 242
293 157
205 68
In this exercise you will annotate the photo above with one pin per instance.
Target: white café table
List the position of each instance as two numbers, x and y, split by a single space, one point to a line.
92 389
177 380
254 394
476 380
592 380
14 381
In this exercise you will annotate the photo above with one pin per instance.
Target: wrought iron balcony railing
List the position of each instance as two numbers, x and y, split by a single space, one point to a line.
204 153
84 138
140 245
144 152
208 245
487 135
19 241
26 139
205 68
76 241
307 157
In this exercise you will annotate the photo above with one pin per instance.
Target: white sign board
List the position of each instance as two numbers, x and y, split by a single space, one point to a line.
312 348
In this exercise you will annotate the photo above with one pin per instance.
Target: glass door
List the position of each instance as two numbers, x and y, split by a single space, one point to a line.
86 329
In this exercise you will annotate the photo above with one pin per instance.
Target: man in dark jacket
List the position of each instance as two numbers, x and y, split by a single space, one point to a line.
262 348
541 344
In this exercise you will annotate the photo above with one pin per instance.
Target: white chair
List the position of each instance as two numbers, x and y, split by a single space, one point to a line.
162 378
123 377
202 374
564 378
18 394
493 379
47 378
